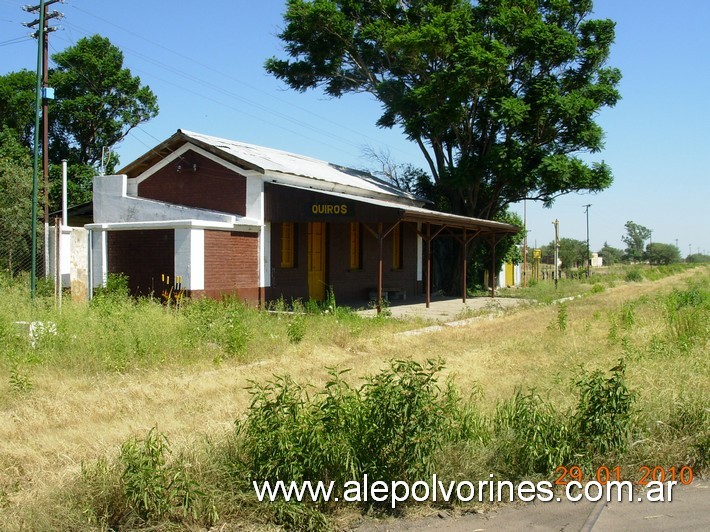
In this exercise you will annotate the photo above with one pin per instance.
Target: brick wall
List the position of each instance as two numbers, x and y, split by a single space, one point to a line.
349 286
144 256
232 264
291 283
212 186
352 286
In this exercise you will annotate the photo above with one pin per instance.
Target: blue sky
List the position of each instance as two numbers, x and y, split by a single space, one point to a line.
205 63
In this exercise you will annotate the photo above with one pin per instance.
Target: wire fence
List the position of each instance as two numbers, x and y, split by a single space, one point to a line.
16 250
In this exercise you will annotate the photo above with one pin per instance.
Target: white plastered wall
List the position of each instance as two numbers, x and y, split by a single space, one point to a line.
190 258
116 207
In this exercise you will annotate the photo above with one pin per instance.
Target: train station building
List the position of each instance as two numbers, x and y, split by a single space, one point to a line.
221 217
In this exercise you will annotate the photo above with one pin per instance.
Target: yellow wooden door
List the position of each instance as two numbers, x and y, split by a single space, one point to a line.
509 274
316 260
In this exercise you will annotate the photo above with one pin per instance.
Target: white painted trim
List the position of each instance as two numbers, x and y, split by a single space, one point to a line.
188 146
190 258
104 258
420 253
197 259
250 226
265 254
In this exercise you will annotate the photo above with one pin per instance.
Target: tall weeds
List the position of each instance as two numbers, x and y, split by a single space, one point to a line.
388 428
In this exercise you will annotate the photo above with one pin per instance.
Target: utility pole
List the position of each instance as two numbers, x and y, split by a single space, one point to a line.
525 243
650 245
42 94
589 258
556 223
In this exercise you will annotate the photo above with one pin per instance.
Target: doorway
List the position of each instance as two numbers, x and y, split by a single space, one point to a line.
316 260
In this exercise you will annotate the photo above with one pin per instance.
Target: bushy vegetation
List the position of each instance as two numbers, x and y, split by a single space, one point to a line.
575 283
401 424
404 422
117 333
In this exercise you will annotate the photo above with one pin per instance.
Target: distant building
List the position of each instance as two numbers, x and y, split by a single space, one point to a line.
597 261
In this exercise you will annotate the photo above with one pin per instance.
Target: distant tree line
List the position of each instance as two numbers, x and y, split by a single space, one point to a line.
639 248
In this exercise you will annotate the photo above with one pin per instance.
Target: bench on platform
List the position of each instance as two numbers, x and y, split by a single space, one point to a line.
389 293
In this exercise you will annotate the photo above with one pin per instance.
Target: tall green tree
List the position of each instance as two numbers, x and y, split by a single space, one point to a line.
660 253
15 203
98 103
17 104
635 237
610 254
499 95
572 253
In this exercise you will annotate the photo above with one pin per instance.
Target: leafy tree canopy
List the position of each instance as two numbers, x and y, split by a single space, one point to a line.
572 253
98 102
15 205
17 104
500 95
660 253
636 236
697 258
610 254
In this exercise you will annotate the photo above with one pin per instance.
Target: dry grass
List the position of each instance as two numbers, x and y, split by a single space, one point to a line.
68 418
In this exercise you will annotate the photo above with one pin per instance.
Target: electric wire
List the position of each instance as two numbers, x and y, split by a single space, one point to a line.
70 28
182 56
232 95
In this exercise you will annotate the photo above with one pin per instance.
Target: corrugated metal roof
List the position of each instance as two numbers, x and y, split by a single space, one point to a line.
268 160
290 169
277 166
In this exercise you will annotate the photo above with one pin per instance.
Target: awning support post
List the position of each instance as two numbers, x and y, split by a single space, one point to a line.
464 263
380 235
493 268
380 238
428 264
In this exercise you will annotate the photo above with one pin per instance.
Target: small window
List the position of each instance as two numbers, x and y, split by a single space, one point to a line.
287 245
355 246
397 248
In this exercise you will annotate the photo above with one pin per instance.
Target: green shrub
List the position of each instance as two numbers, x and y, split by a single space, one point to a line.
688 315
627 315
226 323
405 421
389 428
20 381
530 437
296 329
154 488
634 275
602 421
560 321
116 288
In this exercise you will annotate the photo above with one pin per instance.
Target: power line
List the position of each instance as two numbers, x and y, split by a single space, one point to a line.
16 40
232 95
182 56
221 90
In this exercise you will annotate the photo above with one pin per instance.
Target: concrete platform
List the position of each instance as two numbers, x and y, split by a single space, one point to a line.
448 310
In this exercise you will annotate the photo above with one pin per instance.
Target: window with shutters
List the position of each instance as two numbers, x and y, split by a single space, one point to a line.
397 248
355 246
287 245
